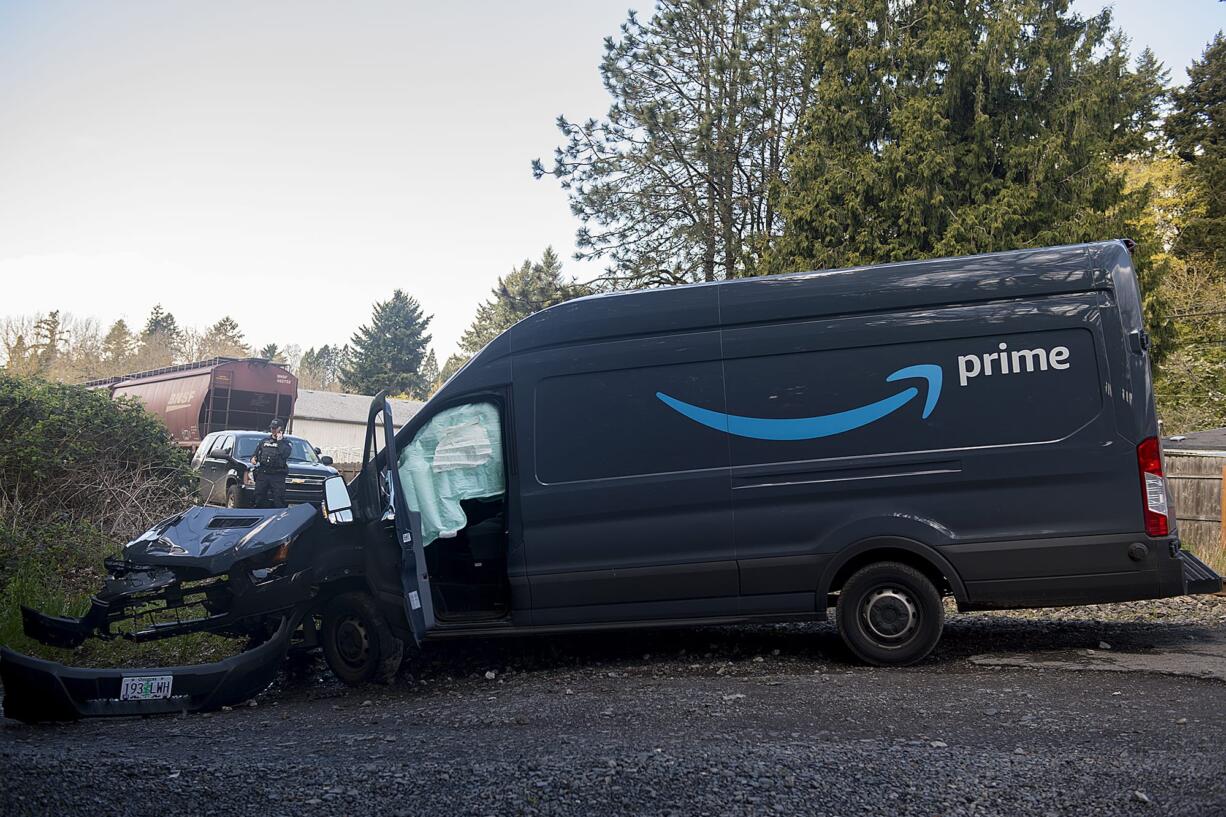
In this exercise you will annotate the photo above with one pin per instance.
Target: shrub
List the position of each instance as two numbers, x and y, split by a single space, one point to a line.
80 475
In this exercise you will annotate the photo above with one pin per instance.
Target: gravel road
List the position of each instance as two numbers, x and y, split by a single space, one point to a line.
754 720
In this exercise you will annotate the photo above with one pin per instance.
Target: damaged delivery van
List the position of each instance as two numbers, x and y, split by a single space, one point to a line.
869 439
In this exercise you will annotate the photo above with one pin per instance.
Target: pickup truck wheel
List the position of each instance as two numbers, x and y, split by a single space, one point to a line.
358 643
234 497
890 614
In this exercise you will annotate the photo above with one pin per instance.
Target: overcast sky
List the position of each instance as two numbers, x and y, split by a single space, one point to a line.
206 155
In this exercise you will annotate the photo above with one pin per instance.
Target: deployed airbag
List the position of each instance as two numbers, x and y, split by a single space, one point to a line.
455 456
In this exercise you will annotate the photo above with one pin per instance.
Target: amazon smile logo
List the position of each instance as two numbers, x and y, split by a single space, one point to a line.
824 425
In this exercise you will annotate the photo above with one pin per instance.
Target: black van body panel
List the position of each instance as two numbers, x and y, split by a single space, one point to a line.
725 450
620 510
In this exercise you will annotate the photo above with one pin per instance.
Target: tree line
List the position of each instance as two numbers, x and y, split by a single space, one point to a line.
390 352
747 137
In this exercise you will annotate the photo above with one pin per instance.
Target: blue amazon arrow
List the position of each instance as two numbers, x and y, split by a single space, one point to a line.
826 425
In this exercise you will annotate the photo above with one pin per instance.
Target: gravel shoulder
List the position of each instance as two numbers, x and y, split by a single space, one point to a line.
749 720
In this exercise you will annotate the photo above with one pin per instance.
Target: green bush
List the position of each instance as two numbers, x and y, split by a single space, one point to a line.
80 475
70 453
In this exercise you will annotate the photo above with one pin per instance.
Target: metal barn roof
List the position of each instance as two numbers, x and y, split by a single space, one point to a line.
330 406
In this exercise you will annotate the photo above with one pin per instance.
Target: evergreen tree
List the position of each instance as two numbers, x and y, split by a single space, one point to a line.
525 290
671 185
452 365
118 347
1197 130
321 368
388 352
946 129
224 339
271 351
19 359
160 341
50 341
161 322
429 375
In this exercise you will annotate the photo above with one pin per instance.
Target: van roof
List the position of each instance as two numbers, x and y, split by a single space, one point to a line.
801 295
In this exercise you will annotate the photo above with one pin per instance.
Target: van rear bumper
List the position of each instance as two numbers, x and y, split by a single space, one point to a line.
1088 570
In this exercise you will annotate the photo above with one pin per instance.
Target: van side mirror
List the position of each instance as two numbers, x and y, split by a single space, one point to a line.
337 505
325 459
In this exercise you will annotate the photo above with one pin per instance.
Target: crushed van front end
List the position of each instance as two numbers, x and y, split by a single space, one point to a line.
229 572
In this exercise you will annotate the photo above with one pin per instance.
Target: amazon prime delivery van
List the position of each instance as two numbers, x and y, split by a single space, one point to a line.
762 449
871 440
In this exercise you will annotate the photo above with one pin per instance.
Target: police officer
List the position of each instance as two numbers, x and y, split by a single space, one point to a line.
271 461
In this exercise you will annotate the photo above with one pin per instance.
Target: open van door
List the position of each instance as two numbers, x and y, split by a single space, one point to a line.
406 524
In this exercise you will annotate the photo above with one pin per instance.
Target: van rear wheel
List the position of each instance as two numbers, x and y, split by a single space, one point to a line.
890 614
358 643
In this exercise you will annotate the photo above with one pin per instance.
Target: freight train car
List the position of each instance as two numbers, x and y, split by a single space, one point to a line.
223 393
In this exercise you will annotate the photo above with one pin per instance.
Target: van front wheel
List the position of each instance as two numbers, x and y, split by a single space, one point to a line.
358 643
890 614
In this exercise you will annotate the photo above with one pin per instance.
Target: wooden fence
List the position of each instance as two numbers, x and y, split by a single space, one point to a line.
1196 486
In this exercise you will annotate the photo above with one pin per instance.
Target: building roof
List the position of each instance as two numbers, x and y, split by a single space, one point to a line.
348 408
1208 443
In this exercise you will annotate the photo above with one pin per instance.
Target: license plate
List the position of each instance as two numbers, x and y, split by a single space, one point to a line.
146 688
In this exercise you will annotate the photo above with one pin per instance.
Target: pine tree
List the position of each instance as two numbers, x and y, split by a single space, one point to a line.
452 365
946 129
18 357
1197 130
942 130
118 347
429 375
388 352
224 339
50 340
671 186
320 368
160 341
522 292
271 351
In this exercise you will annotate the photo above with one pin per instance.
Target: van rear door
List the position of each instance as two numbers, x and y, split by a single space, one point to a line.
1128 345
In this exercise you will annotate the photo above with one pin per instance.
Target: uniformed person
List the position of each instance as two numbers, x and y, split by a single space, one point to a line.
271 461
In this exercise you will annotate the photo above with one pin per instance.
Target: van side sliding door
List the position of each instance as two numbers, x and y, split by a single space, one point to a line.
626 505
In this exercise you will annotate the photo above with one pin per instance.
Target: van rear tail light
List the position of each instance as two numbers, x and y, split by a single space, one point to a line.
1153 487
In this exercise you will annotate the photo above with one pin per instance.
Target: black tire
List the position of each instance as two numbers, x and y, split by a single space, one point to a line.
234 497
889 614
358 643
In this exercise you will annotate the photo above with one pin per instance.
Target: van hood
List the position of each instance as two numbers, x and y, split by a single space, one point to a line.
208 541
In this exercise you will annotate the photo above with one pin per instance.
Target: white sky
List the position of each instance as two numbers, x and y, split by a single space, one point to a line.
201 154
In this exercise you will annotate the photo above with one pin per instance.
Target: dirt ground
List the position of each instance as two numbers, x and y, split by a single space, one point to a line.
1108 710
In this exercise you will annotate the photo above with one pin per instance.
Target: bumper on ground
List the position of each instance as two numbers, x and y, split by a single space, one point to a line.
39 690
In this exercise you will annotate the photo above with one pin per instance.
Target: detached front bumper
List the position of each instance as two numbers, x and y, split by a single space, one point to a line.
153 603
38 690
